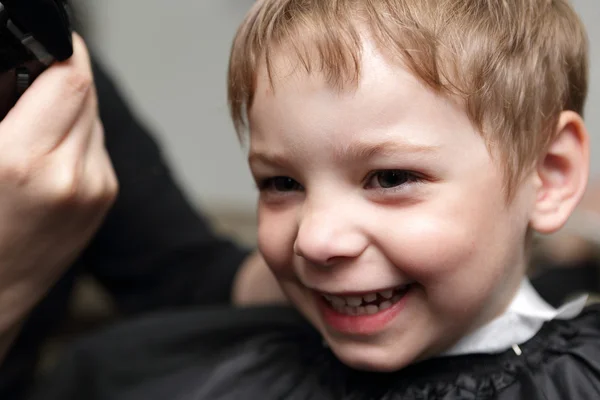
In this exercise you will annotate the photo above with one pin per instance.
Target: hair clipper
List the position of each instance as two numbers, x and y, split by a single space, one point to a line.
33 34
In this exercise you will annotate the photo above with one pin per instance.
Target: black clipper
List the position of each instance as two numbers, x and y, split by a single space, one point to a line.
33 34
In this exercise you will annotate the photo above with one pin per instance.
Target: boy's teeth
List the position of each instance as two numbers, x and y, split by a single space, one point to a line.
370 297
364 310
371 309
337 301
385 305
354 305
354 301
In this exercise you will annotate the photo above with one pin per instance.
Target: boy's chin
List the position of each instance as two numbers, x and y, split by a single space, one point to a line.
372 357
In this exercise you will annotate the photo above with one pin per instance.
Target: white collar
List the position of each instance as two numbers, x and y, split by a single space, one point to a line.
523 318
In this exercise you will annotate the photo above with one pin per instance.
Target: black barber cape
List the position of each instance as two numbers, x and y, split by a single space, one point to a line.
272 353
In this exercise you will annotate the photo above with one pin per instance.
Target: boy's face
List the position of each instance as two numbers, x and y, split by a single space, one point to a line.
365 192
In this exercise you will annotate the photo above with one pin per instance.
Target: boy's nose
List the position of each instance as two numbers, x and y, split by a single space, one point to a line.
328 238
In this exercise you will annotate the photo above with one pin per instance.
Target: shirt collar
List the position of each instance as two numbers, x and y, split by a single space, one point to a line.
523 318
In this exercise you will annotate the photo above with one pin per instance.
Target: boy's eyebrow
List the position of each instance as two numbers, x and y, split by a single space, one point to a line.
267 158
358 150
361 150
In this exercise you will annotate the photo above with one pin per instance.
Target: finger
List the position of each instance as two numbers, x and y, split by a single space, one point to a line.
99 167
49 108
88 173
99 179
77 139
65 166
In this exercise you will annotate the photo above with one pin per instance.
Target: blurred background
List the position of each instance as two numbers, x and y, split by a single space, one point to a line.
170 58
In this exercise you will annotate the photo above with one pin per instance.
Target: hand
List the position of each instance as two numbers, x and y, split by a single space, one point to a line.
56 183
256 285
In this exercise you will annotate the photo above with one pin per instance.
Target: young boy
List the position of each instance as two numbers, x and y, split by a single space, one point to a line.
406 151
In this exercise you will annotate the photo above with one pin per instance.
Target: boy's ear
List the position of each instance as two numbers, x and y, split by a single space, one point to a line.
562 174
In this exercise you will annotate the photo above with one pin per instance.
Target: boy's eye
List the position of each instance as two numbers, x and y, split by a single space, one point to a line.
280 184
391 178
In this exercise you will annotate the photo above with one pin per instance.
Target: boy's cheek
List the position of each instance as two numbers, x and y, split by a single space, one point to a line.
276 235
427 249
453 260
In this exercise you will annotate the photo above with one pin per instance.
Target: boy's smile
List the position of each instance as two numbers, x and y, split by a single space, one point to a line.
372 189
364 313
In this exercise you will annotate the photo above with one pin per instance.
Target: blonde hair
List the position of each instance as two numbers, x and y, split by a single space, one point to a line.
515 64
